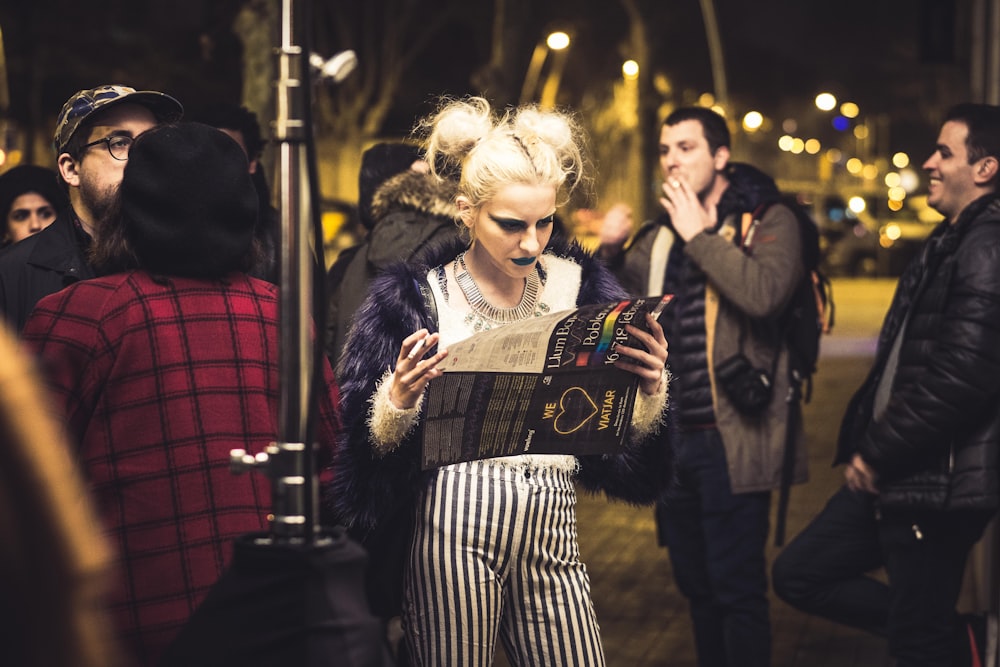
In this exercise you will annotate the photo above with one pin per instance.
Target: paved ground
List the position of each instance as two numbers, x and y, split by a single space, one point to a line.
643 617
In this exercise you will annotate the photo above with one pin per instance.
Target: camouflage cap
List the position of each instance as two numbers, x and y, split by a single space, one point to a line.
86 102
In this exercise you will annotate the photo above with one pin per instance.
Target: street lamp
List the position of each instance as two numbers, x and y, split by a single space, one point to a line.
826 102
556 43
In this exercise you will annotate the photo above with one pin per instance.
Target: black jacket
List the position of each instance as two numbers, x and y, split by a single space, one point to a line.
936 446
411 211
40 265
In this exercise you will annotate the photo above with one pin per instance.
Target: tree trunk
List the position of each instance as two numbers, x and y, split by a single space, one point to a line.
256 25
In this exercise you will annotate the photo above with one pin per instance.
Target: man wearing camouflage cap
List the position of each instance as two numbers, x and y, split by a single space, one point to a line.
94 132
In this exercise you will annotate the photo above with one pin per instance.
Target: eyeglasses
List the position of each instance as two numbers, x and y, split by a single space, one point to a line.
118 145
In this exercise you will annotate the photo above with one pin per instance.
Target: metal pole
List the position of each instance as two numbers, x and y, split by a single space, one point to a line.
534 72
551 87
993 54
290 461
715 53
977 59
293 484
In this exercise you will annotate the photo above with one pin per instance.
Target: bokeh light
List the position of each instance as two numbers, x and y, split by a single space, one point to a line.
900 160
893 179
813 146
557 41
854 166
857 204
909 179
849 110
630 70
752 121
826 102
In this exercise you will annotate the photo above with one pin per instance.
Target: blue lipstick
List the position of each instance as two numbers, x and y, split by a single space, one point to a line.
524 261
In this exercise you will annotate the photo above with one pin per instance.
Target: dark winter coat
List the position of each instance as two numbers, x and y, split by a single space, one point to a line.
411 211
40 265
368 488
158 380
937 444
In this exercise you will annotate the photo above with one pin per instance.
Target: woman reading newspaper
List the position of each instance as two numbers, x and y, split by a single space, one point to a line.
491 545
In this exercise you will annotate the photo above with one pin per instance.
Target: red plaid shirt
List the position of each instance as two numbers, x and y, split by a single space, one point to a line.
159 379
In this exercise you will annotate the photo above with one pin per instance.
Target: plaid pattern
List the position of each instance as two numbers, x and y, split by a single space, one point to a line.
159 379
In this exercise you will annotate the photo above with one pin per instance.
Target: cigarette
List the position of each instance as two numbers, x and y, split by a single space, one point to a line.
416 348
656 312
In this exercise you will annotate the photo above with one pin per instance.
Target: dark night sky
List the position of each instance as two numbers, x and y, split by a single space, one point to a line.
778 53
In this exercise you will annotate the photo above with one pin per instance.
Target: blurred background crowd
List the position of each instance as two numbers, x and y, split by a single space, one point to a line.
835 99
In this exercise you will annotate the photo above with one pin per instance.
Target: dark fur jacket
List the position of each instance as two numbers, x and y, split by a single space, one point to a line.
367 488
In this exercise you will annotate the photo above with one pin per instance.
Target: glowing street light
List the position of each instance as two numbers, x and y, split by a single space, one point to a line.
557 41
826 102
557 44
630 70
752 121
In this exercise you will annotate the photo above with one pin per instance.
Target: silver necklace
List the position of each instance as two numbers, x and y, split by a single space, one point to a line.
484 315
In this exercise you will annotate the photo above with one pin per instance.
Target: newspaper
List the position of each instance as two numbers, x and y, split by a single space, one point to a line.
544 385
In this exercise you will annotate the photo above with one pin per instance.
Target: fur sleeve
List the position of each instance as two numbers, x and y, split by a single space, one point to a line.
367 486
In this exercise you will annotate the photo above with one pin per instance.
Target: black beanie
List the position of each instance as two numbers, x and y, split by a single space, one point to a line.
29 178
378 164
189 205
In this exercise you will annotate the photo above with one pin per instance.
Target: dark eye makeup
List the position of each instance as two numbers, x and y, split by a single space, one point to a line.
513 224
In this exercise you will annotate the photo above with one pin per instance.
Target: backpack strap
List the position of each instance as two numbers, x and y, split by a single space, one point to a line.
787 463
659 255
749 224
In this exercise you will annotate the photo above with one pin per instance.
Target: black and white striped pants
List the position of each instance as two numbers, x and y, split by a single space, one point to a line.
495 553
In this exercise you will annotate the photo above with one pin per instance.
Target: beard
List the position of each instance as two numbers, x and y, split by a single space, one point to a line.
110 251
99 203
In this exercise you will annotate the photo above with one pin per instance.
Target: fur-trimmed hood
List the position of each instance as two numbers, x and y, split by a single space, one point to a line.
414 191
411 211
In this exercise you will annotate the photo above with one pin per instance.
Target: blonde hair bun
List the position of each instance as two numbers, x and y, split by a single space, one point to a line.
468 141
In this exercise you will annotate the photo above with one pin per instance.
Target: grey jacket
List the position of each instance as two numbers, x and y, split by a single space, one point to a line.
752 289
